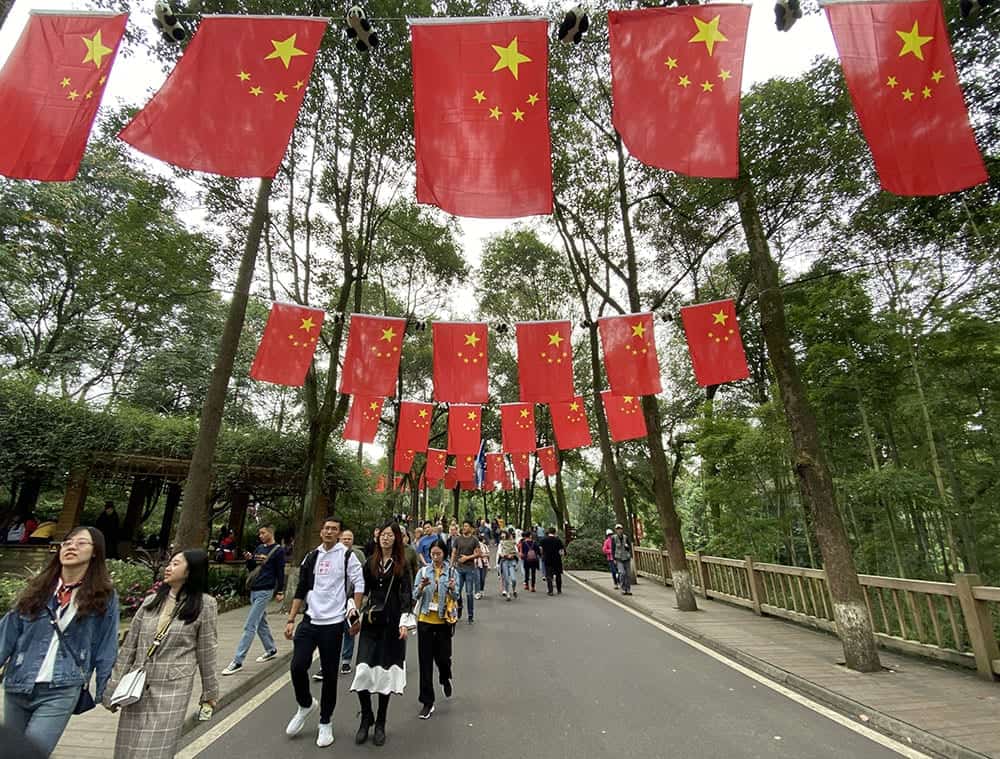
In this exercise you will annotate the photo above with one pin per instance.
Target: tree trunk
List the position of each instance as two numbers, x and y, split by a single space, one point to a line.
192 530
850 612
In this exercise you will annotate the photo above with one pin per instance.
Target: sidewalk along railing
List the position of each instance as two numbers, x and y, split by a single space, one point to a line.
954 622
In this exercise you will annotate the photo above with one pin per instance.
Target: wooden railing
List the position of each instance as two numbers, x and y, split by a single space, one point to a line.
954 622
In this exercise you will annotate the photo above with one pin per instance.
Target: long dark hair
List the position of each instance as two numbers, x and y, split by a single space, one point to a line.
398 560
194 586
95 589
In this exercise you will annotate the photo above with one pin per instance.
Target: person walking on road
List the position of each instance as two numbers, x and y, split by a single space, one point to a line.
482 567
183 618
621 550
435 585
265 581
507 559
609 555
529 556
386 621
347 647
464 553
553 551
324 578
46 670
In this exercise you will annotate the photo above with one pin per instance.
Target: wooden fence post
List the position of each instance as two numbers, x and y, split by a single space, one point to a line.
978 624
664 567
756 584
702 574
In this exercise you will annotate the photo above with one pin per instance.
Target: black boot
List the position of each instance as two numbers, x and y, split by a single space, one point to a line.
379 737
383 709
366 722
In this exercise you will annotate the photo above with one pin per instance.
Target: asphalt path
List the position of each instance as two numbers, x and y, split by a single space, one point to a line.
571 676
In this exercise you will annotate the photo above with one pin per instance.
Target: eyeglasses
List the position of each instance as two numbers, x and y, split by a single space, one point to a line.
77 543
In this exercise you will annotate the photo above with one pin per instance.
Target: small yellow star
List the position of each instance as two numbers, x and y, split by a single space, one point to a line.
65 82
96 50
284 50
638 330
532 98
720 318
671 63
937 76
480 96
708 32
725 75
907 95
495 113
388 334
307 324
73 95
255 91
244 76
472 339
509 57
89 95
891 82
102 80
518 114
299 84
707 86
926 92
684 81
280 96
913 42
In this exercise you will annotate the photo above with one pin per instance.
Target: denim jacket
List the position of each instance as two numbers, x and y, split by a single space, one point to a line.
427 594
24 642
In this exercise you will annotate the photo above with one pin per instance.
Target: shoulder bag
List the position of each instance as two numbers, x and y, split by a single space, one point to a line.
85 702
255 572
132 685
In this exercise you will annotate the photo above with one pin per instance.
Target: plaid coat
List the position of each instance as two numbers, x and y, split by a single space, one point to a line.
151 728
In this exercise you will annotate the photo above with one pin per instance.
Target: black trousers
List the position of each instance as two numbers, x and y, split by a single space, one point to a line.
433 647
328 639
529 576
558 576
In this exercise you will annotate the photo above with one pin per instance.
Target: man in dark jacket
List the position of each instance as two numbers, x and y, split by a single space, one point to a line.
108 524
621 552
266 580
553 551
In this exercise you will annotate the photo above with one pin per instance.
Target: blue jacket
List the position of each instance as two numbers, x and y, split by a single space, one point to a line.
272 571
427 594
24 641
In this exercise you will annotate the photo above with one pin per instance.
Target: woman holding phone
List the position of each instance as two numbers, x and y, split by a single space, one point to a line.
434 587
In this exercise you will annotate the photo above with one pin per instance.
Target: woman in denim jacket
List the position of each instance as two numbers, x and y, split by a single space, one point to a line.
42 681
433 586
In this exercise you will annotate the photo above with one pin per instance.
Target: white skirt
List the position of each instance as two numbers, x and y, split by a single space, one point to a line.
378 679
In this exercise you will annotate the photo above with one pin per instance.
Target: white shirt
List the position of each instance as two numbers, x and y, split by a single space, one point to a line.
47 670
327 602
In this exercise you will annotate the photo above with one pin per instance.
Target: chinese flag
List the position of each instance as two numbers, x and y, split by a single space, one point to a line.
464 423
547 458
675 85
494 467
460 370
469 485
481 116
435 463
545 361
363 418
230 104
522 466
380 484
506 481
286 350
402 460
517 426
624 413
569 421
713 338
450 481
465 468
371 362
414 425
899 70
630 354
50 88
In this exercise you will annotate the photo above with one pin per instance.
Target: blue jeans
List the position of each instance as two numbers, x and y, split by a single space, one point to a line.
614 570
256 625
508 570
42 715
482 579
347 649
468 578
624 575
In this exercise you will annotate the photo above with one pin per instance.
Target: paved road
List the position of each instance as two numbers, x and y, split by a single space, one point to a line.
572 677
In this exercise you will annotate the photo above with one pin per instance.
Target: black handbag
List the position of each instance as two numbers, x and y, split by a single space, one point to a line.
373 612
85 702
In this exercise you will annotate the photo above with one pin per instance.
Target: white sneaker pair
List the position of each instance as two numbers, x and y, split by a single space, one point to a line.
298 721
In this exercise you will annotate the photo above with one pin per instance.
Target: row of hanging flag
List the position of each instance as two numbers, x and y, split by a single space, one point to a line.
480 93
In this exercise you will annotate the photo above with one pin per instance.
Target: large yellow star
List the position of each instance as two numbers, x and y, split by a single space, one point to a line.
472 338
373 405
574 406
307 324
720 318
388 334
555 338
284 50
422 413
471 416
708 32
96 50
913 42
524 413
510 57
638 330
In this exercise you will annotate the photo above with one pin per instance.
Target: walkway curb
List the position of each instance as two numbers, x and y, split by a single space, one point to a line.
883 723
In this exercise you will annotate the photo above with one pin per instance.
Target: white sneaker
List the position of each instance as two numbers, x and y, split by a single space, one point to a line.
325 737
232 669
267 657
296 723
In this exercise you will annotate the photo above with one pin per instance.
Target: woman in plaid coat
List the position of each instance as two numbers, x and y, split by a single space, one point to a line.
151 727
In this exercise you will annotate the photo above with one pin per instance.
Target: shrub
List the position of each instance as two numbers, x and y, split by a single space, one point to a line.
10 587
585 553
132 581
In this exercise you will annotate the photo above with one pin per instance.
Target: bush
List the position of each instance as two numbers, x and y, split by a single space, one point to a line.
585 553
10 588
132 581
224 584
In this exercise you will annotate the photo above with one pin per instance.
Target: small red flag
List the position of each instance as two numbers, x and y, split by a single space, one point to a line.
522 466
481 116
230 104
675 85
465 467
402 461
547 458
488 487
460 356
506 482
450 480
545 361
517 425
397 483
901 75
414 425
371 362
380 485
464 424
624 414
469 485
569 421
435 463
713 338
286 350
363 418
494 467
630 354
50 88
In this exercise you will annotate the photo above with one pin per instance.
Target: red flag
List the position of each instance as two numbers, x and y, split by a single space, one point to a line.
230 104
397 483
435 463
569 421
630 353
469 485
363 418
488 487
460 355
464 423
465 467
494 467
900 73
380 485
50 88
286 350
517 425
547 458
624 413
713 338
545 361
506 482
402 461
371 362
481 116
414 425
522 466
675 85
450 480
